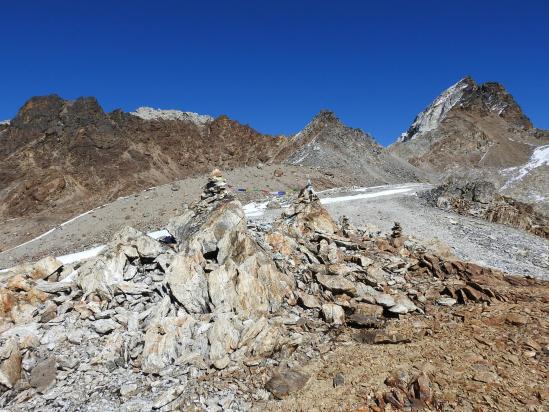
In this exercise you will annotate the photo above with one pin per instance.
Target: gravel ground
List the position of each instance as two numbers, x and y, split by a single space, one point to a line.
476 240
489 244
146 211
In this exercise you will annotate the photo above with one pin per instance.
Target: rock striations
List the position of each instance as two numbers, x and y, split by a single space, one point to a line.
219 313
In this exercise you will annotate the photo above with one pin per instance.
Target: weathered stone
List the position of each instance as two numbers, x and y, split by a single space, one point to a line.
104 326
44 374
333 313
128 389
223 339
166 340
286 382
516 319
136 244
186 280
368 309
376 337
309 301
100 275
446 301
385 300
10 363
402 305
39 270
337 284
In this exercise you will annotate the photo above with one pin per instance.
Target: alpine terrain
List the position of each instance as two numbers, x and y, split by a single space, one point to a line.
481 132
162 260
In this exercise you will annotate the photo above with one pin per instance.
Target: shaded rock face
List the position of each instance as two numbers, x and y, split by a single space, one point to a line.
253 302
481 199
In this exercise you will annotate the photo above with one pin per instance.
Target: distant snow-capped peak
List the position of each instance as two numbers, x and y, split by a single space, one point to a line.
149 113
5 122
431 117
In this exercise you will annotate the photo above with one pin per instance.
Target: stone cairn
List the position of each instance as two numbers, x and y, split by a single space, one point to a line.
396 235
307 194
214 190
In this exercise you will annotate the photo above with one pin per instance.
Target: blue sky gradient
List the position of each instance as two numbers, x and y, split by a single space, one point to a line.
274 64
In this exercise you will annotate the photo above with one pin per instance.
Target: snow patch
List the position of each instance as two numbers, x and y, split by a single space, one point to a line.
77 257
149 113
539 157
330 200
255 209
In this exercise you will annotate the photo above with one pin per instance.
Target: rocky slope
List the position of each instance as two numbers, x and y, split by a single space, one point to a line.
480 129
59 154
326 142
220 316
63 157
480 199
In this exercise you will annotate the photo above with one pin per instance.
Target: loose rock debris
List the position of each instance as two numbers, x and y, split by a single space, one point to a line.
228 317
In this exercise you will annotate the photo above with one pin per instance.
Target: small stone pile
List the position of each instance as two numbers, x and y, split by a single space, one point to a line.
215 188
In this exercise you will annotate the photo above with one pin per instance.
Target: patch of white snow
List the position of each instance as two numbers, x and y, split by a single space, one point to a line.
539 157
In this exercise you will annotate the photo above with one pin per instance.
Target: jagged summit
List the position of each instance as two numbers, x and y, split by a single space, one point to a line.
328 143
490 97
478 129
83 156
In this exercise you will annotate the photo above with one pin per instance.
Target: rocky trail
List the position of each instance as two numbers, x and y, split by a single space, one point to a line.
297 312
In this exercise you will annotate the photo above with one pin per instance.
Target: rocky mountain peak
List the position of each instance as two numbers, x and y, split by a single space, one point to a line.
326 117
486 98
430 118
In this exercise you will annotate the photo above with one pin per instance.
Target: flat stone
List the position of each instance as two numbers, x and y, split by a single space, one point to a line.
368 309
516 319
43 374
377 337
446 301
385 300
284 383
337 284
399 309
361 320
309 301
104 326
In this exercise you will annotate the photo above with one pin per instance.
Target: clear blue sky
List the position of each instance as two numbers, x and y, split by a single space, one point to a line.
274 64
